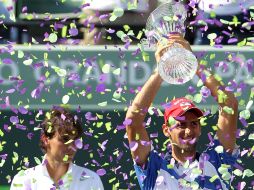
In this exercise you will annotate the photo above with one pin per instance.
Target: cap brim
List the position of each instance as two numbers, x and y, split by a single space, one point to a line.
197 111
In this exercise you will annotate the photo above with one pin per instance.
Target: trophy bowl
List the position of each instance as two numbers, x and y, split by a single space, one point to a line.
177 64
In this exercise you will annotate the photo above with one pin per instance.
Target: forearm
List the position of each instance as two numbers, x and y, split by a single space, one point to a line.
137 134
228 112
217 88
144 98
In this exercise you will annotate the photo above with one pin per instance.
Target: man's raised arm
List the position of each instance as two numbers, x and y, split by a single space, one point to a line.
137 134
228 112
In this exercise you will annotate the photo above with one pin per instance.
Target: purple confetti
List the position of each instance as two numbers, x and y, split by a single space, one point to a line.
110 31
78 143
73 31
10 91
22 110
24 9
101 172
100 88
191 90
243 121
205 92
7 61
127 122
14 119
22 127
232 40
133 146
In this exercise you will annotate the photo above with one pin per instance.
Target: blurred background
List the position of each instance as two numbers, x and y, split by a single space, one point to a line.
87 56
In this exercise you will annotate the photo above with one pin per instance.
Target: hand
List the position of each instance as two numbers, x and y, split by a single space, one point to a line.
172 38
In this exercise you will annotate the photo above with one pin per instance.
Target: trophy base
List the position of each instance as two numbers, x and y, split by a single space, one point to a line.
177 65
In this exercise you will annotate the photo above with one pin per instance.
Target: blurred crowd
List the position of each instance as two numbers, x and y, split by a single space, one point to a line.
226 22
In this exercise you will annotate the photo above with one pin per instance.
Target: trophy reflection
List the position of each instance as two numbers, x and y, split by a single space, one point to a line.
177 64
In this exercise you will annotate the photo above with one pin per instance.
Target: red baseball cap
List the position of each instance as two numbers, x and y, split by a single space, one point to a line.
179 106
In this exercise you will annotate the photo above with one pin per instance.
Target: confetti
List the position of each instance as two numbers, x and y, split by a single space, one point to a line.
65 99
52 38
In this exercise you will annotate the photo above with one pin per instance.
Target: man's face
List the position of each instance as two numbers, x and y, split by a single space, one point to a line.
61 148
185 132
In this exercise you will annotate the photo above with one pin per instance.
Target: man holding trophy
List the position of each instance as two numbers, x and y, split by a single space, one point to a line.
183 167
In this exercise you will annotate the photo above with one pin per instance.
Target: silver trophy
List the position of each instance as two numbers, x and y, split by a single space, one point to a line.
177 64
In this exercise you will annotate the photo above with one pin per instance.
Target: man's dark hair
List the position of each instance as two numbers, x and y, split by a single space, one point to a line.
61 121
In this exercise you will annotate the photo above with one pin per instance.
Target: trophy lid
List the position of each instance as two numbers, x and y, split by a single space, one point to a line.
166 18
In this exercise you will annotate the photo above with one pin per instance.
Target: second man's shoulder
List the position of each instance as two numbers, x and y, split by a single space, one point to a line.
85 173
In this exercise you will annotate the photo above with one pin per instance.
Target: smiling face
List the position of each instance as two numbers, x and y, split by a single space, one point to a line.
60 129
60 149
185 132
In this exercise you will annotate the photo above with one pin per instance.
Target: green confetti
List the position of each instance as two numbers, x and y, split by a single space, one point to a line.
212 14
203 62
28 62
223 168
251 136
37 160
99 116
111 180
245 114
226 176
168 18
212 56
247 173
66 157
52 38
130 33
238 172
89 96
140 33
145 56
65 99
126 27
197 98
117 71
15 157
196 171
64 31
20 54
132 6
202 121
194 185
171 121
235 21
170 166
117 12
212 179
1 133
60 72
242 43
106 68
212 36
219 149
99 124
108 126
69 141
103 104
221 97
200 83
228 110
224 21
29 16
120 34
117 95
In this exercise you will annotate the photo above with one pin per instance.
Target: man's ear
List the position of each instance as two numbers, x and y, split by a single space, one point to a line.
200 130
45 140
166 130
